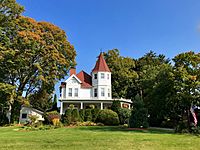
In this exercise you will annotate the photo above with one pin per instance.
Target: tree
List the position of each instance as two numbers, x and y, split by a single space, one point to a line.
186 84
55 100
123 74
116 106
39 56
139 114
155 86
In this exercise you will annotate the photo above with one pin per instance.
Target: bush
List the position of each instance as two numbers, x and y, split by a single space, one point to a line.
124 115
138 118
139 114
108 117
53 117
116 106
88 115
67 118
82 114
33 118
75 115
95 113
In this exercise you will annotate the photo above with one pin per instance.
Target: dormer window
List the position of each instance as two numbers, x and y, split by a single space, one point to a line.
102 75
95 76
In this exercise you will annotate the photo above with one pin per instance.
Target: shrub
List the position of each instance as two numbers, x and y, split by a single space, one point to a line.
116 106
75 115
53 115
67 118
95 113
82 114
33 118
138 118
139 114
88 115
124 115
87 123
108 117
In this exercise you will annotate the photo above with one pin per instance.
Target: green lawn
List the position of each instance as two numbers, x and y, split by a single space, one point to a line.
95 138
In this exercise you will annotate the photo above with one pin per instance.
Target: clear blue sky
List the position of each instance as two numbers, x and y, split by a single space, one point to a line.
134 27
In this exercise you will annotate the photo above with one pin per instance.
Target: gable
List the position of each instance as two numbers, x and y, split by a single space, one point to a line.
73 80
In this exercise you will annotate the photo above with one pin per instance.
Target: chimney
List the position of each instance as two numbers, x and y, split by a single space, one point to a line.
72 71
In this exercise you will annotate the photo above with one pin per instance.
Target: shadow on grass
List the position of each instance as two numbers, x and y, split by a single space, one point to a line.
134 130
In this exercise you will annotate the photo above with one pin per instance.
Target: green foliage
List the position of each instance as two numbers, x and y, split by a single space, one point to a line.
52 116
116 106
88 115
3 119
33 55
124 115
82 114
67 119
71 106
33 118
75 115
139 114
123 74
108 117
55 100
95 113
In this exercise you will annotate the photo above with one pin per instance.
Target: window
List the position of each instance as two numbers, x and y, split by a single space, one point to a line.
70 92
95 92
108 92
95 76
102 75
102 92
108 76
24 116
76 92
64 92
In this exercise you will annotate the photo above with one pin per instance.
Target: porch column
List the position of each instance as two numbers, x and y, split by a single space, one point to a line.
121 104
81 105
101 105
61 107
129 106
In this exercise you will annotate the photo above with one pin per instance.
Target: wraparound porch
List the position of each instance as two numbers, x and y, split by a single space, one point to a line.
83 104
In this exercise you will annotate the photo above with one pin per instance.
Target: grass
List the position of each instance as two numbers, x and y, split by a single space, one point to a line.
96 138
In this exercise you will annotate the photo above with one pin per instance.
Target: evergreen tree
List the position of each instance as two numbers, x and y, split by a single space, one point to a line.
139 114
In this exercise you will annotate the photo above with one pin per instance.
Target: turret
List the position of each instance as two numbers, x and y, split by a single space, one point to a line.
101 79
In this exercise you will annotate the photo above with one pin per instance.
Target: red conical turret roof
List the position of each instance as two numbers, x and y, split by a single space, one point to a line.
101 65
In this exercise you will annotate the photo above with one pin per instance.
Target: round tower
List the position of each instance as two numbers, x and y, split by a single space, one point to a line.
101 79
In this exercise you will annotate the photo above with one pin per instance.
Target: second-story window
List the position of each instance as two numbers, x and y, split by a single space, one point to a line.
76 92
108 92
95 92
70 92
108 76
102 92
102 75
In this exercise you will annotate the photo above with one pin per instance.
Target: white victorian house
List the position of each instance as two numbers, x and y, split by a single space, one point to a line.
83 89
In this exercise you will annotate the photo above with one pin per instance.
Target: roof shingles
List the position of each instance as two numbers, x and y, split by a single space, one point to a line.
101 65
